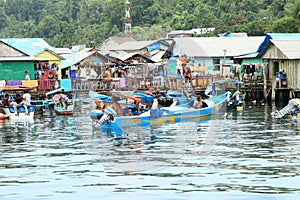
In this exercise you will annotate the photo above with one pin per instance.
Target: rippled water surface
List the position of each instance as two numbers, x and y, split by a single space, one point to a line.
248 155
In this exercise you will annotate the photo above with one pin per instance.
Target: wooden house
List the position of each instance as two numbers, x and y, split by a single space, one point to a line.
84 63
27 54
141 51
284 55
213 54
13 63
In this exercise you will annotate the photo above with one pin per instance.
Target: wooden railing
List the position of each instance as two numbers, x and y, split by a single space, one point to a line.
149 83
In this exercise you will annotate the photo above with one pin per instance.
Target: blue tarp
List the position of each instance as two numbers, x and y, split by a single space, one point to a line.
144 97
153 46
66 84
101 97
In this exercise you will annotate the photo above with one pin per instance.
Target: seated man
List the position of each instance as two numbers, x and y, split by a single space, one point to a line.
198 103
6 100
19 102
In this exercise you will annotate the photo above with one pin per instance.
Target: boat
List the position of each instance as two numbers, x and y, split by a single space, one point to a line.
9 112
58 105
108 118
293 108
131 103
235 99
42 104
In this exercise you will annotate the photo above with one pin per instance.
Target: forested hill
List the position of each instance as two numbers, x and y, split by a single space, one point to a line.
63 23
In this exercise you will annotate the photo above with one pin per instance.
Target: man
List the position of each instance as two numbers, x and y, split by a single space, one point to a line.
27 77
6 101
61 99
107 73
198 103
27 97
19 102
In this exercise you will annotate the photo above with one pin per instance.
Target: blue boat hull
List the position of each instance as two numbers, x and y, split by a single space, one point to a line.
166 115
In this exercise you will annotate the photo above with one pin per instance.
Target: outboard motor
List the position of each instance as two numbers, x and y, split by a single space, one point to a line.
96 114
292 107
108 115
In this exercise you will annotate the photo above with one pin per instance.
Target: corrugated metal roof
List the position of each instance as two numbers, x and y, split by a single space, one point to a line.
233 35
117 54
76 57
123 56
215 46
249 55
112 42
29 46
61 51
157 57
23 58
129 46
278 36
290 49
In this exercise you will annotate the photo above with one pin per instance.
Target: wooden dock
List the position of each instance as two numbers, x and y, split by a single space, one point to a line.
257 89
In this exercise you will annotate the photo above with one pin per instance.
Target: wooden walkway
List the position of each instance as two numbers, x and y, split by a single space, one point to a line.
254 89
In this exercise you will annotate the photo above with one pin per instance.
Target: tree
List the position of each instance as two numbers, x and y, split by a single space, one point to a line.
3 18
293 10
285 25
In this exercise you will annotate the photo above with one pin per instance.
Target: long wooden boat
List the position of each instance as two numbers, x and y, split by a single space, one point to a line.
60 111
157 116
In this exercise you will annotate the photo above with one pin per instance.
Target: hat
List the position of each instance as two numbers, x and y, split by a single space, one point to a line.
148 92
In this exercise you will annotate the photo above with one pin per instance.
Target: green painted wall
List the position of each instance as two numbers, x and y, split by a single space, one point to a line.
252 61
15 70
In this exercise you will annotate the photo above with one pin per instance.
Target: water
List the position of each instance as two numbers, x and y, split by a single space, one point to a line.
249 155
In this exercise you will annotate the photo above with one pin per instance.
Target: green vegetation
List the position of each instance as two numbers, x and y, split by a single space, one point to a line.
64 23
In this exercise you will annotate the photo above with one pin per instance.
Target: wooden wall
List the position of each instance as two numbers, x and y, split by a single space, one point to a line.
7 51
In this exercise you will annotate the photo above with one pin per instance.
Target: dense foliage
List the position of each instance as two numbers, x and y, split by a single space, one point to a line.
67 22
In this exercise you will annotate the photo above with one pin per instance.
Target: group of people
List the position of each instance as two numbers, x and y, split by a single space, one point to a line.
18 101
116 72
46 71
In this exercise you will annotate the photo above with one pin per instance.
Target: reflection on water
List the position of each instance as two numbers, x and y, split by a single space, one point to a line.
248 155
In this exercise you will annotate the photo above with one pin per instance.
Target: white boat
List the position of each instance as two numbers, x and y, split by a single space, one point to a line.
10 113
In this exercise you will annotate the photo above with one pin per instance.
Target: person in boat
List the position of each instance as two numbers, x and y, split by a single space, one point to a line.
61 99
27 97
18 102
236 95
116 106
6 100
198 103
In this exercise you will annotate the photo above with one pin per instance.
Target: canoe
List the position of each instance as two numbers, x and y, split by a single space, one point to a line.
60 111
174 114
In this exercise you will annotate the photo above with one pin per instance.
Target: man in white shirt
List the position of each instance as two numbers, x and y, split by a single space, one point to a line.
27 97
